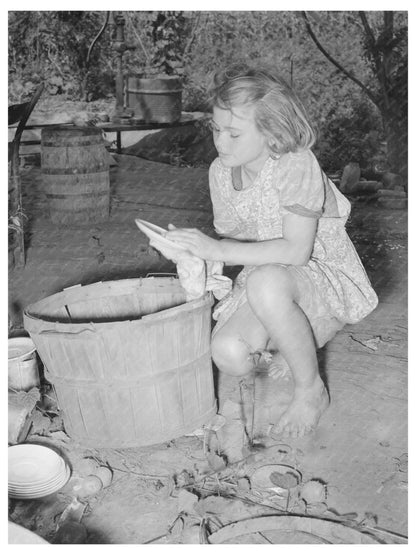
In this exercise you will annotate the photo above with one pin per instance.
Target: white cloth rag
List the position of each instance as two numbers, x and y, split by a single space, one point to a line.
217 283
190 268
195 275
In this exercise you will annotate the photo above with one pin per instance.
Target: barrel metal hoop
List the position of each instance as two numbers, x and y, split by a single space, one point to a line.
69 171
75 142
83 195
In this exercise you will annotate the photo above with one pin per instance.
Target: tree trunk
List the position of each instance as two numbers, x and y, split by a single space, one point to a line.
392 78
395 116
397 145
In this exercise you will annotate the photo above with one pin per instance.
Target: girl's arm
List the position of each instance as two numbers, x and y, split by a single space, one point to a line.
294 247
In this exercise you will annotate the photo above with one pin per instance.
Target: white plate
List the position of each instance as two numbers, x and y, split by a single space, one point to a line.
34 483
39 492
20 347
29 464
38 485
41 487
18 534
34 494
156 233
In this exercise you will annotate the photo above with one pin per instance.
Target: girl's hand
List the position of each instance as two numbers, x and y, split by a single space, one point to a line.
195 241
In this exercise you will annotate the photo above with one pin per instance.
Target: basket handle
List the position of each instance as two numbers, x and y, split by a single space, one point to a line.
66 333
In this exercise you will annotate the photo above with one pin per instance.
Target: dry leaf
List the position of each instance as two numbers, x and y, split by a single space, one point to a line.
187 501
216 462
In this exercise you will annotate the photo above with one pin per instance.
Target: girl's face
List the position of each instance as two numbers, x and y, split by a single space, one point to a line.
237 139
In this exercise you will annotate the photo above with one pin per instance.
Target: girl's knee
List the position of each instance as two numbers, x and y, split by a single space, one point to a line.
270 282
230 355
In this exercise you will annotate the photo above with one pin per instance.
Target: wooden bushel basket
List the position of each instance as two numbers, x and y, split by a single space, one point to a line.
75 174
129 360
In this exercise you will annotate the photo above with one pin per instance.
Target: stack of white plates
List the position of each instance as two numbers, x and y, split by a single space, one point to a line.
35 471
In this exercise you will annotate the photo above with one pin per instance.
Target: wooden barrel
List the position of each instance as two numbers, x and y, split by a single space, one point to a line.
75 173
129 360
157 100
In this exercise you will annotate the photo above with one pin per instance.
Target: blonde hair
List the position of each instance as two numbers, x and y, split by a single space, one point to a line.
278 112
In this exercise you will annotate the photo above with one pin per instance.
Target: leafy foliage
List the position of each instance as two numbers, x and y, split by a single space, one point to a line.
168 32
53 46
351 134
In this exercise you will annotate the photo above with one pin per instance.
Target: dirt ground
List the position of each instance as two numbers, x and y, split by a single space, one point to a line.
186 490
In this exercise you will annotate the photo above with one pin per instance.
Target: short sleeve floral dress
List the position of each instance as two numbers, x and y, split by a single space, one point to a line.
334 286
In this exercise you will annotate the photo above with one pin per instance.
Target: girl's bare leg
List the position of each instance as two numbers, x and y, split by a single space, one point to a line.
272 295
233 344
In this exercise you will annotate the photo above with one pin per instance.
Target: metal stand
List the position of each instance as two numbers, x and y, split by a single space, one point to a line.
117 24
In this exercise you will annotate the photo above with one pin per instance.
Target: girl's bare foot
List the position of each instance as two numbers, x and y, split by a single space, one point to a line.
304 411
278 367
271 361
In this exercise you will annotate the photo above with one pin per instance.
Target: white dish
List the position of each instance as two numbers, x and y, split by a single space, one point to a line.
20 347
32 464
43 492
38 485
19 483
156 233
39 491
19 535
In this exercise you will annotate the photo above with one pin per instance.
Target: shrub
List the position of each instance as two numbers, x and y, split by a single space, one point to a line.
350 133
